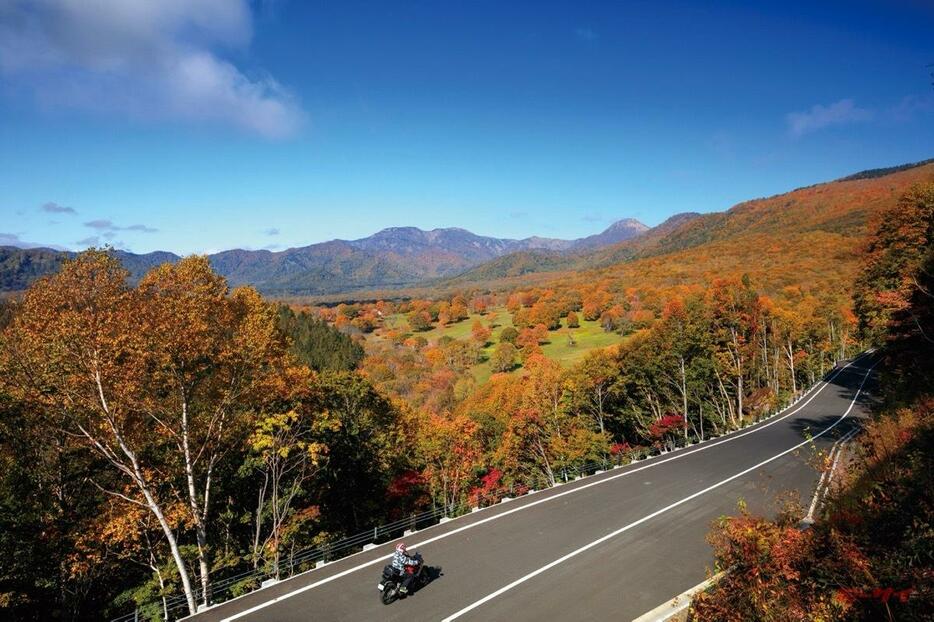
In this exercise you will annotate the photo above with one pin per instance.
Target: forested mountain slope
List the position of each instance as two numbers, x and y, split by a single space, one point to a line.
390 258
20 266
810 235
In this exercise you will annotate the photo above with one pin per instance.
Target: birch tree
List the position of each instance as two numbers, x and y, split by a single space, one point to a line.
735 310
285 452
159 380
591 387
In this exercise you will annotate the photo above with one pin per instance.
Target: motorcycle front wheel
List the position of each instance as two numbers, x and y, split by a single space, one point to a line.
389 593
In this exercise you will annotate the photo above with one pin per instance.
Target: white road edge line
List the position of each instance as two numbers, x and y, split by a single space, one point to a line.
827 475
820 484
840 449
833 467
697 448
648 517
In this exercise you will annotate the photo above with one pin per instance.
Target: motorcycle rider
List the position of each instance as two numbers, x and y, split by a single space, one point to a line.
400 560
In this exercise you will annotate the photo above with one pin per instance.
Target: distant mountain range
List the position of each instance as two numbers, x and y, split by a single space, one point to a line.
813 229
392 257
592 252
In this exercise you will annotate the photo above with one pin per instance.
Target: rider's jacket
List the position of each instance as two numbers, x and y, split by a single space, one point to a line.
400 560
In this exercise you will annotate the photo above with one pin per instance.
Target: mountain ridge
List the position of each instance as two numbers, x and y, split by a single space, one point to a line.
391 257
409 257
823 224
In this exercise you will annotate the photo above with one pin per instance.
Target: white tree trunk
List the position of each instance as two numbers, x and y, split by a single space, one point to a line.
135 473
195 506
790 355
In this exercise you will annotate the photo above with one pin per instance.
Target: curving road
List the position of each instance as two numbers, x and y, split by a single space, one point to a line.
609 546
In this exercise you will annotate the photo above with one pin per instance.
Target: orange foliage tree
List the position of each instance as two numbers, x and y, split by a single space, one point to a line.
159 380
450 447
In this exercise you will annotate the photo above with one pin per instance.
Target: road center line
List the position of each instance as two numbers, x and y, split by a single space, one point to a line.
649 517
681 454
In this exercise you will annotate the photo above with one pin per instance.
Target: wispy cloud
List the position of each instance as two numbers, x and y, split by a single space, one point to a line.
107 225
723 143
911 106
89 241
149 60
13 239
593 218
9 239
55 208
818 117
99 224
271 231
142 228
586 34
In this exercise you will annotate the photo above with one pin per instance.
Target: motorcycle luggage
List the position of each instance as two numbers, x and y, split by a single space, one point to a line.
388 572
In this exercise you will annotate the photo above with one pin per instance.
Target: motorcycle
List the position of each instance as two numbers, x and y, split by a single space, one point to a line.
391 581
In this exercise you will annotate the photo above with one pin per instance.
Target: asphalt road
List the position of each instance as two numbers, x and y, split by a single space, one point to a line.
611 546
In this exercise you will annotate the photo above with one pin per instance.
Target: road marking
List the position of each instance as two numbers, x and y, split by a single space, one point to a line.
681 454
667 610
828 475
833 467
649 517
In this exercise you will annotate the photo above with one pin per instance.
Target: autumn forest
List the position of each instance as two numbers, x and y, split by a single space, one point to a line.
171 440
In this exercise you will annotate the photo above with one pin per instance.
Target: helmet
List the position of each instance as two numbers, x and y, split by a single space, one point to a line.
400 547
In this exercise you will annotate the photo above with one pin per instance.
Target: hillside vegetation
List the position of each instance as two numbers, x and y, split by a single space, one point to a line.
815 231
20 267
563 344
870 556
170 438
810 238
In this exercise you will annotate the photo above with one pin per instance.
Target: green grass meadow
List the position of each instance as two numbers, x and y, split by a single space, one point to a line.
589 336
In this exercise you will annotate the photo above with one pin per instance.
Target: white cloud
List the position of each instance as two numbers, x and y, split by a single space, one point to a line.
142 228
13 239
10 239
99 224
593 218
55 208
143 58
819 117
910 107
109 226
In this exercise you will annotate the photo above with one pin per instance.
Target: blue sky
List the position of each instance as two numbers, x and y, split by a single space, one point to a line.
198 126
